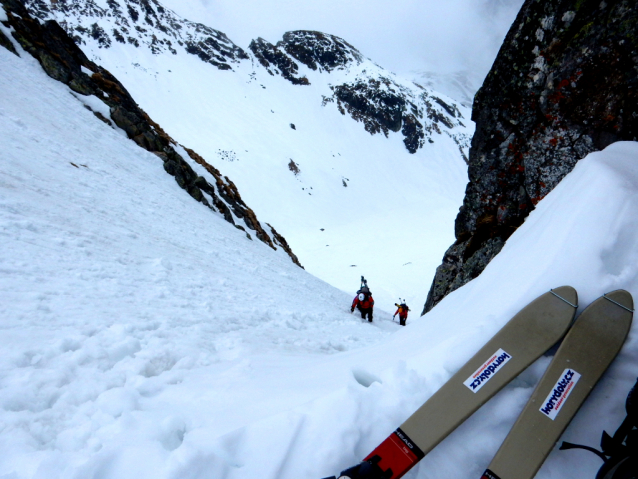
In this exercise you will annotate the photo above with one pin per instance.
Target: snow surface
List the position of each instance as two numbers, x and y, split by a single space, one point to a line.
392 222
145 337
119 292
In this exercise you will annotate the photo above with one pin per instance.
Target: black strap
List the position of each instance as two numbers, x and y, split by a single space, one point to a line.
568 445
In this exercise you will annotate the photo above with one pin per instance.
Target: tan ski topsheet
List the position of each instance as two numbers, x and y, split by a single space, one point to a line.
588 349
529 334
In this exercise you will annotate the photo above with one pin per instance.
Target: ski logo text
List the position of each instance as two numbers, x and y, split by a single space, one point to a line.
489 368
408 442
561 391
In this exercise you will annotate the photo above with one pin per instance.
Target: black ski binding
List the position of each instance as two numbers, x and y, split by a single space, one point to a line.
365 470
620 451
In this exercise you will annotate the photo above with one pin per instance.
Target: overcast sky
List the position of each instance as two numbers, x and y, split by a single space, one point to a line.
401 35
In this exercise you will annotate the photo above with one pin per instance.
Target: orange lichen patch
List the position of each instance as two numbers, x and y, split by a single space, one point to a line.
158 129
113 88
228 190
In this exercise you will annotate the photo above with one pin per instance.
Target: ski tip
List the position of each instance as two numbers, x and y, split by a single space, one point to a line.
567 294
622 298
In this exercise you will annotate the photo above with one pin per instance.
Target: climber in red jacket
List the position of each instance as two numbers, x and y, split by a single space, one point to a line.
364 302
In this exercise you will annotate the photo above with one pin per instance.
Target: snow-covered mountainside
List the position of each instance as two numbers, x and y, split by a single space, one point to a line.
117 287
109 101
143 337
291 124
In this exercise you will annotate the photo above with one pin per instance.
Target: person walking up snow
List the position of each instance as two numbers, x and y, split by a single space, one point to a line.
363 301
402 311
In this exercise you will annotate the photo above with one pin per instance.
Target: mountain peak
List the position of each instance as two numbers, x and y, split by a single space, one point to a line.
320 51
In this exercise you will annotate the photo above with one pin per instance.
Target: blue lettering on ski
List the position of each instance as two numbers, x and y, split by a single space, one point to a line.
559 394
488 371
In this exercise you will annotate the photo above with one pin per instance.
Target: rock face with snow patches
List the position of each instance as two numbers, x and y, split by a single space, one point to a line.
318 51
276 61
62 60
383 105
376 100
563 85
139 22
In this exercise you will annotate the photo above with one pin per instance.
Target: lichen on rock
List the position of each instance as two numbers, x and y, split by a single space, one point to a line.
564 84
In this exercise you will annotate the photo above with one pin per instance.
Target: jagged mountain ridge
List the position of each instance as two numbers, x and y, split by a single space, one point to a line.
378 101
108 99
316 50
139 23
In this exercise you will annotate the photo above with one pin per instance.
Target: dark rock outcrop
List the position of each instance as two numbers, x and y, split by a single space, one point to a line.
63 60
383 105
564 84
6 43
139 22
276 61
318 51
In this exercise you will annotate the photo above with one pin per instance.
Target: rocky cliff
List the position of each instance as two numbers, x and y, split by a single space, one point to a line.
63 60
563 85
373 97
139 23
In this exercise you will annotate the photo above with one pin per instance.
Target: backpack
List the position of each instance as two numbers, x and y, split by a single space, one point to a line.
620 451
402 306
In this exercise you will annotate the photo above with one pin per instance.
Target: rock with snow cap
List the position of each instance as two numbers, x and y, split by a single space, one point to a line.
564 84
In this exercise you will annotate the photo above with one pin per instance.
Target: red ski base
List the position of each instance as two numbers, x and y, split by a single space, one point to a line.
398 453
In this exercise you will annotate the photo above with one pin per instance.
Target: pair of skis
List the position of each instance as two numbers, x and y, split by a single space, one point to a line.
586 351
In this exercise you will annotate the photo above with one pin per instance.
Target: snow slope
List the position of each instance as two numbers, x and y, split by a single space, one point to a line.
582 234
121 295
394 219
397 209
143 336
